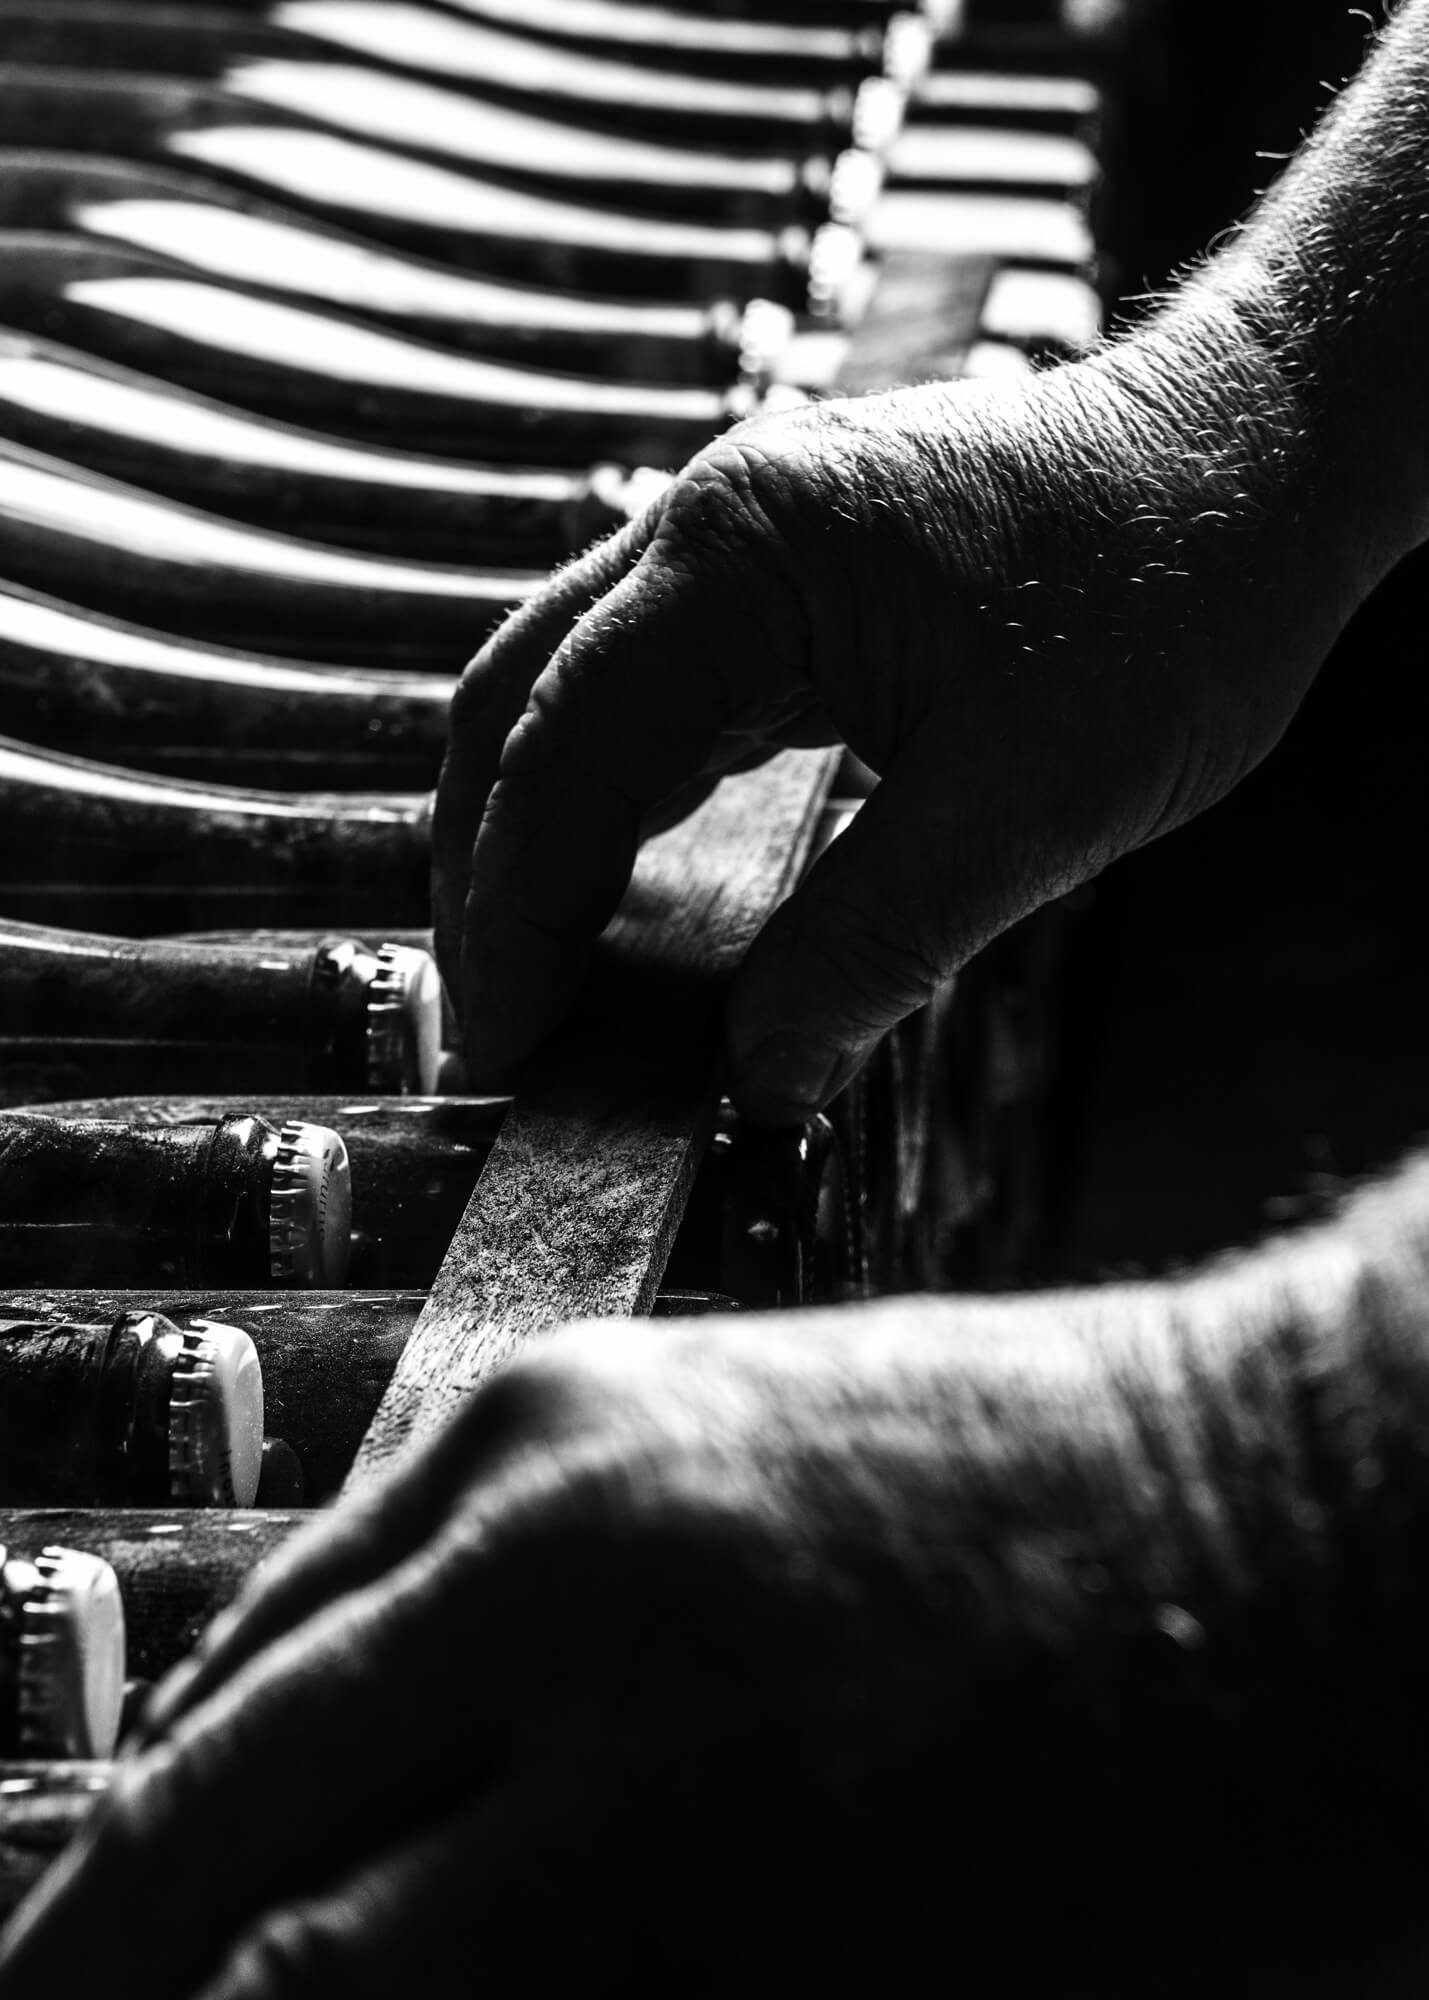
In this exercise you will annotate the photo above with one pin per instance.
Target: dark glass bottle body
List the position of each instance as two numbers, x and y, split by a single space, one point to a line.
131 554
128 1411
94 847
234 1201
85 1014
767 1222
326 1356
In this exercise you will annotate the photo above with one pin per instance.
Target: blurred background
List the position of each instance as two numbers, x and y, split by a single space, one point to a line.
1248 1029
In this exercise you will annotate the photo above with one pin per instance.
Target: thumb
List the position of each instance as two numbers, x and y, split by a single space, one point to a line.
894 906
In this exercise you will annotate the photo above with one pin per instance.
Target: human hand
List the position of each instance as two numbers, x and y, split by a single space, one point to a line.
1058 619
1002 1645
608 1685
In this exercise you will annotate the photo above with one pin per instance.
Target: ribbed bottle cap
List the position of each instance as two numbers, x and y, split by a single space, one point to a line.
877 114
857 184
834 264
404 1022
215 1418
71 1664
907 49
309 1207
765 331
945 18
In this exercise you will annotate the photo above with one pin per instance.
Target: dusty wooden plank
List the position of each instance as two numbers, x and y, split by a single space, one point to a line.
579 1201
922 319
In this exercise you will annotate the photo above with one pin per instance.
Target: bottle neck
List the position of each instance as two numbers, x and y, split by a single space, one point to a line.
161 1014
85 1411
97 1203
237 1187
133 1441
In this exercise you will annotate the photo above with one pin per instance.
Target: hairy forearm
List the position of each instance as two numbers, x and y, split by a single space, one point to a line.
1139 1577
1178 1537
1330 273
1227 1429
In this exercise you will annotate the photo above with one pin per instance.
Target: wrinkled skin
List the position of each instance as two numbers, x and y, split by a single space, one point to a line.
537 1707
940 1647
1057 618
865 1654
681 1662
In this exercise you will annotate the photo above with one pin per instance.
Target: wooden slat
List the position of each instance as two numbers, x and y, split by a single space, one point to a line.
578 1204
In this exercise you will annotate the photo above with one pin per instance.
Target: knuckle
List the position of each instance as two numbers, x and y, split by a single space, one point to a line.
559 1386
1212 761
145 1800
294 1952
731 490
528 742
872 970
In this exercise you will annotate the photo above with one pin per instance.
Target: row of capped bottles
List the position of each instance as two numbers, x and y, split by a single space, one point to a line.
207 1397
208 837
325 1191
930 1170
566 277
97 847
174 317
261 212
113 1403
313 331
285 1009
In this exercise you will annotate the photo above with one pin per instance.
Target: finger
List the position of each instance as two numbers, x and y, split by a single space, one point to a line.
488 1899
383 1707
628 711
533 1885
917 882
343 1550
486 706
338 1738
672 1860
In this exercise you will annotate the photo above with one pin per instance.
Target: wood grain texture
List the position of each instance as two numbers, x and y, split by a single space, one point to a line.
922 319
579 1202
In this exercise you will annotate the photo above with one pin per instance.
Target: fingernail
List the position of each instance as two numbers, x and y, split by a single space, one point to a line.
785 1078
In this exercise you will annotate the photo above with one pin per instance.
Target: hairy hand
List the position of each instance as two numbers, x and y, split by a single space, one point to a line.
1056 618
593 1690
984 1642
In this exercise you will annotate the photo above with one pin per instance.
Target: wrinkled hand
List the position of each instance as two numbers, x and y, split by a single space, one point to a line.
991 1647
1057 619
640 1677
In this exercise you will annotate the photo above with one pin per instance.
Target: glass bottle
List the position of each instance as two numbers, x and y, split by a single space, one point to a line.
129 1412
81 1014
767 1223
326 1358
94 847
62 1654
236 1200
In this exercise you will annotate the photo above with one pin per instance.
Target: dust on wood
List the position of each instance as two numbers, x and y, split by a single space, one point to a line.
578 1204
